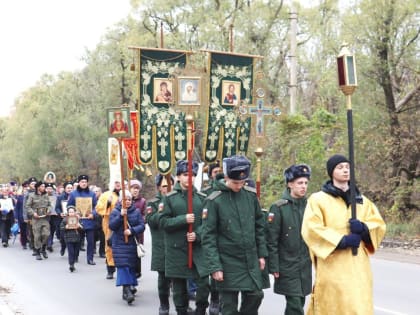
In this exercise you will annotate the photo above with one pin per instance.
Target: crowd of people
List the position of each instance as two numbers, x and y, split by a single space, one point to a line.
216 245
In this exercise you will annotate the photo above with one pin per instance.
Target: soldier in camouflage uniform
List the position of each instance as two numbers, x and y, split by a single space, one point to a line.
234 239
158 246
175 221
39 208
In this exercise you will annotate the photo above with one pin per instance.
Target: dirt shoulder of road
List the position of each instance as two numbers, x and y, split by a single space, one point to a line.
407 251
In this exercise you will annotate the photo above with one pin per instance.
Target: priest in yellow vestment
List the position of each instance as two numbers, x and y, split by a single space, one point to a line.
343 282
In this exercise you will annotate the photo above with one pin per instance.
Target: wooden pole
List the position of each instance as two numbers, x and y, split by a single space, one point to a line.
258 152
190 148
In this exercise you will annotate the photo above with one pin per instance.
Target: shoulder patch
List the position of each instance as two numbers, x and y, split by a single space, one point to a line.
251 189
214 195
281 202
173 192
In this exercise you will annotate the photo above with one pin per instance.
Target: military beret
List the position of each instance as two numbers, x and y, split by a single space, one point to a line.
32 180
49 185
82 177
297 171
182 167
12 183
236 167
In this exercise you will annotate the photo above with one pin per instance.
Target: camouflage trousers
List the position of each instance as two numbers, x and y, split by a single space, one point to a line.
41 230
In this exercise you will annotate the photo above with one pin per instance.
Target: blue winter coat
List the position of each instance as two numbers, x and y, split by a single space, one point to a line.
58 205
88 224
125 254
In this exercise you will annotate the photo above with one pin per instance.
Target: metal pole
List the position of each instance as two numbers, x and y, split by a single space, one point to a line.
351 158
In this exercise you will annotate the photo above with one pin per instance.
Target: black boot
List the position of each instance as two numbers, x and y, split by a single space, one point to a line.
34 252
71 268
127 295
44 251
38 254
164 305
181 313
214 308
110 272
200 310
133 289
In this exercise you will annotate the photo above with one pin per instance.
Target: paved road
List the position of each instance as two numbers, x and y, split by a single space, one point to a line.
47 287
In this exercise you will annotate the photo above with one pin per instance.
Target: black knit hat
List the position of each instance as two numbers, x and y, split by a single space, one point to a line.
334 161
39 183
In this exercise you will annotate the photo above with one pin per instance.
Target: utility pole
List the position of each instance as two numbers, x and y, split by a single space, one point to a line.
292 58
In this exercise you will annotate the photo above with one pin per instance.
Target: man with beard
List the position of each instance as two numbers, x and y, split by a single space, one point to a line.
289 259
27 218
39 209
61 209
84 201
106 203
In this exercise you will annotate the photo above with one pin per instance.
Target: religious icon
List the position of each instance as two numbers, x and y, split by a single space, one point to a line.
189 91
84 206
162 90
119 125
72 222
231 92
49 177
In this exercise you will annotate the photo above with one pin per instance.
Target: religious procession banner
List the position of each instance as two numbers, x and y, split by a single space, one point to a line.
114 160
231 83
162 132
131 145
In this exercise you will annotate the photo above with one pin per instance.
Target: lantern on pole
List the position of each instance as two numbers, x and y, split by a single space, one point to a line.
347 81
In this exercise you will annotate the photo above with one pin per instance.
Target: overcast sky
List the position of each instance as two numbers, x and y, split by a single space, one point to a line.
48 36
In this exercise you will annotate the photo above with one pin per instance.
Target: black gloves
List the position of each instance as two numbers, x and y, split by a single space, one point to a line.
358 227
351 240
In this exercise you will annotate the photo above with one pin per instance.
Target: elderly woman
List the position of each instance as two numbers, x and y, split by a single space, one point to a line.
125 253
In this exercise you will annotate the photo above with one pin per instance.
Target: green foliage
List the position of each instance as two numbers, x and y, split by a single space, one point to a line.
59 124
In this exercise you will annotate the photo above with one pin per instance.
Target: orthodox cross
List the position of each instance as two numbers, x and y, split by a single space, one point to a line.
145 137
260 111
229 144
179 137
162 143
213 137
242 140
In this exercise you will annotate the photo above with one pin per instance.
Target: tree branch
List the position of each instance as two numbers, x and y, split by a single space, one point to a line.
407 98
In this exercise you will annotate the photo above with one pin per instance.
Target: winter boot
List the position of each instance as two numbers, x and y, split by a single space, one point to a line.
164 305
127 295
214 308
38 254
44 252
71 268
200 310
110 272
133 289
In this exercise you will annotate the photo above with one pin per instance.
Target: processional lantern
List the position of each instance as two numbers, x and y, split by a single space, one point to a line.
346 65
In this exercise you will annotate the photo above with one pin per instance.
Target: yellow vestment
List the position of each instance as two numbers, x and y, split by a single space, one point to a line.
343 282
